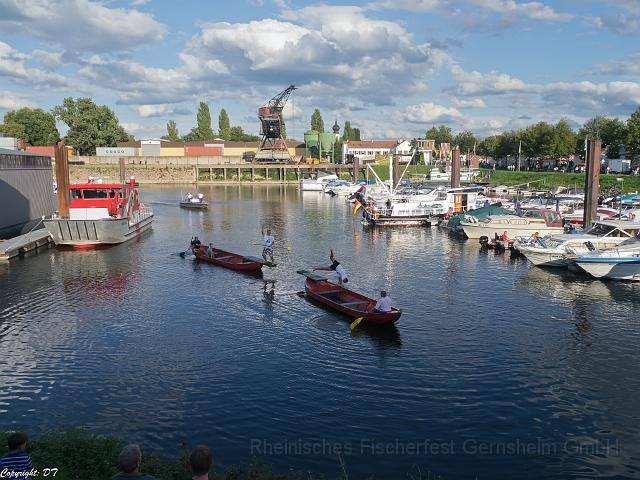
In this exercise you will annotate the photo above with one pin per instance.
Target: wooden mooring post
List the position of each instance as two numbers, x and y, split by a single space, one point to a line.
592 182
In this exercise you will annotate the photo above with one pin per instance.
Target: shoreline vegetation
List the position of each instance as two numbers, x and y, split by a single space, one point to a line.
79 455
187 175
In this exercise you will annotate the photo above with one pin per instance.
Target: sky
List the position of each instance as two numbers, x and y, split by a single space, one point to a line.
393 68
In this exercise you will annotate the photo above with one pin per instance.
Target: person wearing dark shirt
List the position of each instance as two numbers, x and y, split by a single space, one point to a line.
129 464
200 462
17 460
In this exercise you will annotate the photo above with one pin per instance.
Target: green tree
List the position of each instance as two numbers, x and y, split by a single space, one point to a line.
203 118
467 140
489 146
15 130
223 124
563 140
172 131
237 134
90 125
441 134
356 134
317 123
612 132
633 134
33 125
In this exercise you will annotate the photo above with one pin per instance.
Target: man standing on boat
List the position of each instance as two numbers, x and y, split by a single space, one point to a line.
267 241
337 267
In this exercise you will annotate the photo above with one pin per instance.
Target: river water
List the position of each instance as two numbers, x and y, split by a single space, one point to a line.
496 369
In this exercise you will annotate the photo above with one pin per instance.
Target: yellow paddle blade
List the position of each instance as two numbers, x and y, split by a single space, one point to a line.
289 248
356 322
253 244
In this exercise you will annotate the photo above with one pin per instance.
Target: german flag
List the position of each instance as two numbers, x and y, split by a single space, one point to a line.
356 206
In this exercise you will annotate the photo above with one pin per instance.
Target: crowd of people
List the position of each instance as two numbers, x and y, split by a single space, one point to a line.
18 464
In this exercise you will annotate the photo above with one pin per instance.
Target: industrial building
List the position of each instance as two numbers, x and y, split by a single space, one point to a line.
26 191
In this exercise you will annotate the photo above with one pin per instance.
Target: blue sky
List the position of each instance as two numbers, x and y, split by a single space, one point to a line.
393 68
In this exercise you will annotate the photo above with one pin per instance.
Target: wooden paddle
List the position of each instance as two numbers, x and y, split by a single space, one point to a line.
356 322
253 244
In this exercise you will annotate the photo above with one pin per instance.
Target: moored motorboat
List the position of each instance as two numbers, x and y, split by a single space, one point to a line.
346 301
620 263
226 259
562 250
545 222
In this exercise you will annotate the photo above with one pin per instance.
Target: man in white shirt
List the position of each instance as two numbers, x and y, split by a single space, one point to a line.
337 267
383 305
267 241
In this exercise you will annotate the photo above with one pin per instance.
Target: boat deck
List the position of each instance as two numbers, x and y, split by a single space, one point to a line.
24 243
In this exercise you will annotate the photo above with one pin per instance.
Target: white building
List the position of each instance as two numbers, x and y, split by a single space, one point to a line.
367 150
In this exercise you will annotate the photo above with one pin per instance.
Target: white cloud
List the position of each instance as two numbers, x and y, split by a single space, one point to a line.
469 102
429 112
412 5
80 24
12 100
160 110
531 10
13 65
626 66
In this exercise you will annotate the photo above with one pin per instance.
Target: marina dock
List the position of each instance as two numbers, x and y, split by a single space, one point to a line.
24 243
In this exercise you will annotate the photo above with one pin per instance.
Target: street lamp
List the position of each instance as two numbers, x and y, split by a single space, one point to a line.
621 180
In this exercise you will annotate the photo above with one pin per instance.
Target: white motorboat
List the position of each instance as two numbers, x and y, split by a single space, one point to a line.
562 250
316 184
342 188
620 263
545 222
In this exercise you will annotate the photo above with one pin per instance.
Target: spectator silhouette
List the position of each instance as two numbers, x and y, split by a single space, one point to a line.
129 464
17 460
200 462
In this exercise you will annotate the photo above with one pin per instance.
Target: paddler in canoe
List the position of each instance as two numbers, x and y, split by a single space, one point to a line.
337 267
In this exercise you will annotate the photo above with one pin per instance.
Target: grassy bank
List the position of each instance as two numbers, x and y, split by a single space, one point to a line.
80 456
547 180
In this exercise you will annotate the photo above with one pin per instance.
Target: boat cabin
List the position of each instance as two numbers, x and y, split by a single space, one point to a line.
93 201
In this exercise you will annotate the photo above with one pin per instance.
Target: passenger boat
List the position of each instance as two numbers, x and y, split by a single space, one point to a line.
226 259
620 263
100 214
545 222
194 201
346 301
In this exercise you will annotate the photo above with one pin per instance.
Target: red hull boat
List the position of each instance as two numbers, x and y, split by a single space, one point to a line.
342 299
225 259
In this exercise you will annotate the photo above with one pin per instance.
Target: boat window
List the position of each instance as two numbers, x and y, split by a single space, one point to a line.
75 193
532 214
94 193
552 217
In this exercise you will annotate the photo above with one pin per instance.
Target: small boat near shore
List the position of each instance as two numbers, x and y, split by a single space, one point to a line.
196 202
222 258
353 304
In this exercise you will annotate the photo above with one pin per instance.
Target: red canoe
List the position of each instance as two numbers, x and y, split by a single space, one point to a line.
227 259
346 301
